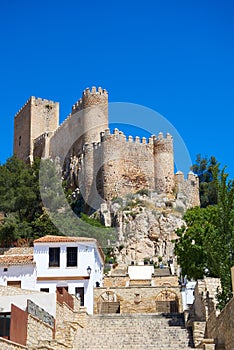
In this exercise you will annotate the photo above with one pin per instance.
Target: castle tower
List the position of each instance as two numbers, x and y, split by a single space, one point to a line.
35 118
164 164
92 110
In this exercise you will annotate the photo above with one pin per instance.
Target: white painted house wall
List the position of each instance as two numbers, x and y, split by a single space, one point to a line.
24 273
187 293
37 273
70 277
44 300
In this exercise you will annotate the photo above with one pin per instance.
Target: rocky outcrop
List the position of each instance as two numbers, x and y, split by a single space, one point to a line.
146 227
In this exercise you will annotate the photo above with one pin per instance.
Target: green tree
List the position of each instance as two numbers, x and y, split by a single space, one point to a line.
225 228
34 204
194 247
206 244
207 188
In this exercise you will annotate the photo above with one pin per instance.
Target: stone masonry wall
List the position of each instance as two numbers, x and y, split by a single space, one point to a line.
44 117
221 327
164 164
36 311
115 166
136 299
63 313
187 190
88 119
127 165
124 281
8 345
38 330
22 132
35 118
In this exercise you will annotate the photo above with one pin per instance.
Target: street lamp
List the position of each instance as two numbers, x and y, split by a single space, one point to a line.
89 270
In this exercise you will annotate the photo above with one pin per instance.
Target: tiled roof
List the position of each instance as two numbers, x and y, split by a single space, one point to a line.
57 239
61 239
9 290
6 260
16 251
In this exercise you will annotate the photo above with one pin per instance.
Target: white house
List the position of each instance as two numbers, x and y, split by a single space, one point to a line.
75 263
18 268
187 292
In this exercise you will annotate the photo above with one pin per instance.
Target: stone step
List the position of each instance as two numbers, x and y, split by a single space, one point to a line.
135 331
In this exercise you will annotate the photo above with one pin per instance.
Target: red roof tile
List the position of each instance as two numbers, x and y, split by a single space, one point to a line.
61 239
56 239
16 259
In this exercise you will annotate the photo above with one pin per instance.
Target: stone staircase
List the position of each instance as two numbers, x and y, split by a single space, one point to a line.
134 332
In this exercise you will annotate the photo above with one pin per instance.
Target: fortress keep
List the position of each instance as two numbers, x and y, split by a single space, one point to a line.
100 164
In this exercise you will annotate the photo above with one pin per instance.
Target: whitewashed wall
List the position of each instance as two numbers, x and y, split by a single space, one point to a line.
87 256
24 273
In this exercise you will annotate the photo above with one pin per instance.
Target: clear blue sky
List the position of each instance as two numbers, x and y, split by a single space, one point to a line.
176 57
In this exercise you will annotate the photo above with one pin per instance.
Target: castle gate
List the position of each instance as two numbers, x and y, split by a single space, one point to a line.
167 302
108 303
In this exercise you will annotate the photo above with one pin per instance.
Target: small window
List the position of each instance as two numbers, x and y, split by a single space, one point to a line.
16 284
20 141
54 257
46 290
5 319
71 256
80 294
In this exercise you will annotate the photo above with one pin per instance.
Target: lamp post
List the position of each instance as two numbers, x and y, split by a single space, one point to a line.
89 270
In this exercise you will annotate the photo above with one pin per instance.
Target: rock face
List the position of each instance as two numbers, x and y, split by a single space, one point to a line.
146 227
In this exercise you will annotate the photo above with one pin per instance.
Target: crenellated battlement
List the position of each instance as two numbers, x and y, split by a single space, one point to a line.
35 101
190 176
43 101
119 135
27 103
94 90
91 97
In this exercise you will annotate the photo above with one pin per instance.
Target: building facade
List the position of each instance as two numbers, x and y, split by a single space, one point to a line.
73 263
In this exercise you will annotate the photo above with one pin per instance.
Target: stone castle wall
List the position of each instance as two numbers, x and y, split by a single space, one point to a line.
35 118
22 141
101 164
187 190
117 166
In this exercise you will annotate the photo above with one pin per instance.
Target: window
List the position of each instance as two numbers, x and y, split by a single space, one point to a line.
46 290
20 141
71 256
14 284
54 257
5 320
80 294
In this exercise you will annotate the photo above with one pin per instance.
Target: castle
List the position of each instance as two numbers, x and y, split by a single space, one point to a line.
102 165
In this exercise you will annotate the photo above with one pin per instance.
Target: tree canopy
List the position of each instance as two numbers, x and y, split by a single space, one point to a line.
206 244
34 206
204 168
